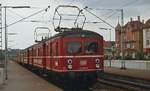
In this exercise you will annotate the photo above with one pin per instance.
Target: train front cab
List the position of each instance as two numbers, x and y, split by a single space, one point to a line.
78 58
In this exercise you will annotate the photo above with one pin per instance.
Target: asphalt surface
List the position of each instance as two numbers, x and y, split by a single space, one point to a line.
20 79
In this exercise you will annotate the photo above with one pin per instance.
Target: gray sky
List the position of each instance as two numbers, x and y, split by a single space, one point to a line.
25 30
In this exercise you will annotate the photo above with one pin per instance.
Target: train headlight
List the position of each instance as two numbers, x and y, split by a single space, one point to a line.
69 66
69 61
97 63
97 66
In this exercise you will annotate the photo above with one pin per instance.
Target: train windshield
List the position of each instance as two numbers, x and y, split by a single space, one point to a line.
74 48
91 47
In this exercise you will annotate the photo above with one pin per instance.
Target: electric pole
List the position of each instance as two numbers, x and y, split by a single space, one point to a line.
0 28
6 55
122 41
6 38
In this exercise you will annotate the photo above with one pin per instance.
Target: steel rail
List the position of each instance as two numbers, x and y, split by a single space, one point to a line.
123 83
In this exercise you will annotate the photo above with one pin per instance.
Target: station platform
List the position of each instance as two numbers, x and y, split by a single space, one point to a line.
139 74
20 79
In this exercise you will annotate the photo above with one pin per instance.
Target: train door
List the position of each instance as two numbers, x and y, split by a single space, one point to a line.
23 53
32 56
51 55
28 56
57 55
44 56
47 56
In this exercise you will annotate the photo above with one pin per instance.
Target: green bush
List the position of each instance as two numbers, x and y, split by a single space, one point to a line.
128 57
139 56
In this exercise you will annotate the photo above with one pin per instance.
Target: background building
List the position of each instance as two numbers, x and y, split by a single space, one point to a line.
118 40
109 49
146 39
132 37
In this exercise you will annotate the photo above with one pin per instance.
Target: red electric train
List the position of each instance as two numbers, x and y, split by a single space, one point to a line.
75 54
72 54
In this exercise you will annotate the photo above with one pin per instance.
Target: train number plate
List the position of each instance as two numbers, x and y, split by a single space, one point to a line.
83 63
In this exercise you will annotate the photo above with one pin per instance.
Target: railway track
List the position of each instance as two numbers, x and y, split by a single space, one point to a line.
122 83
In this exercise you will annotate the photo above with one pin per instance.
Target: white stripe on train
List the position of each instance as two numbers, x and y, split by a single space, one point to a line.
85 56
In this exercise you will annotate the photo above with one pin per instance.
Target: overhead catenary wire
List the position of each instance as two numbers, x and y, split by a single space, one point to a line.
114 10
112 14
28 17
110 11
125 5
99 17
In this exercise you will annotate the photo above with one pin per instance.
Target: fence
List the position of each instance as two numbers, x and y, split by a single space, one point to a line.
132 64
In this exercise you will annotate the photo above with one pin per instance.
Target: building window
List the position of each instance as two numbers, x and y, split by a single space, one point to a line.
133 46
128 45
117 45
133 37
147 42
125 38
147 33
133 55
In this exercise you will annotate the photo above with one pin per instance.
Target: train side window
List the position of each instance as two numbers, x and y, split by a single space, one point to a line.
38 51
47 49
57 49
34 52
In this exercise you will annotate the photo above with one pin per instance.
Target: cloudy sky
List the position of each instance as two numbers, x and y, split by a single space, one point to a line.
25 29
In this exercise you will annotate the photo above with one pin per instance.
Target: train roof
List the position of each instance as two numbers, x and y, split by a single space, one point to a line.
77 32
70 33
